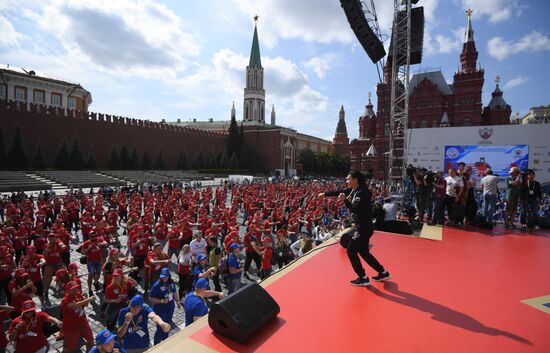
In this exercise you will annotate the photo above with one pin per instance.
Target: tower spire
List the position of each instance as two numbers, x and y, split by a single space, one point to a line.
469 36
273 114
255 51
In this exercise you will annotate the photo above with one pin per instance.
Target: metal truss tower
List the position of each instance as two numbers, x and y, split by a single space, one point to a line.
399 110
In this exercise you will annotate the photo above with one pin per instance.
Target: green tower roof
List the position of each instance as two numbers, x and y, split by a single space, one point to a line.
341 127
255 52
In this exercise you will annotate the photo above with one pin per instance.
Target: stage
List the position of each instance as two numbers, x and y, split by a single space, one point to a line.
473 291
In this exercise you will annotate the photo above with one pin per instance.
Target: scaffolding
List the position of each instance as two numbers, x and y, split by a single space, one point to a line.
399 109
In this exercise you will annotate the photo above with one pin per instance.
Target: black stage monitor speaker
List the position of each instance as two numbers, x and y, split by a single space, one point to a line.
358 22
242 313
417 37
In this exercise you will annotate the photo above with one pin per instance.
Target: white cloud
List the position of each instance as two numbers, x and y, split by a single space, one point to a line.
311 20
120 37
443 44
500 49
322 64
517 81
10 37
496 10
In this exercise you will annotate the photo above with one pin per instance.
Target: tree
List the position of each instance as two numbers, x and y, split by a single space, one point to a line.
114 159
62 159
76 159
159 163
212 162
232 137
38 162
234 161
145 161
91 164
223 160
308 159
3 157
198 162
17 158
134 159
125 162
182 161
240 141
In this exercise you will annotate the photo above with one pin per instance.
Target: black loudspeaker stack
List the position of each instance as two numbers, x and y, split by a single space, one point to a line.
242 313
358 22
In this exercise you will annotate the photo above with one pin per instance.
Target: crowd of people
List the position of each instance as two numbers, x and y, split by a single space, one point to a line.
134 242
150 251
463 196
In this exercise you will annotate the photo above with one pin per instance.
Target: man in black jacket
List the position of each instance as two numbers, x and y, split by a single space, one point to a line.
357 198
531 196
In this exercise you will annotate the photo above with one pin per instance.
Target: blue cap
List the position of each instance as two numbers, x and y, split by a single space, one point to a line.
234 246
137 300
104 336
201 283
201 257
165 272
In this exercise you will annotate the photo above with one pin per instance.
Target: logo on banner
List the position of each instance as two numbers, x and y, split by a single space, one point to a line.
452 153
485 133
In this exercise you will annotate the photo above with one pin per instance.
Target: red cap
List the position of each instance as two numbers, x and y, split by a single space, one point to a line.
73 265
28 305
114 251
118 272
72 285
20 272
51 235
60 273
31 248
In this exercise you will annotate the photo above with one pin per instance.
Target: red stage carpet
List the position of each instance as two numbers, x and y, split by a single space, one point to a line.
462 294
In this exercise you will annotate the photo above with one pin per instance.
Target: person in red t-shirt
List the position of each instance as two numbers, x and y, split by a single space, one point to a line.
93 250
21 290
52 254
33 263
249 240
75 323
156 260
7 265
116 297
266 251
27 330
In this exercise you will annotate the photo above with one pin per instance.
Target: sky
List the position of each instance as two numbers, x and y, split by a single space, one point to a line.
186 59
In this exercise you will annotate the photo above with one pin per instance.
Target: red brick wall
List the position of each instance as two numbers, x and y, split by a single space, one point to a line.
102 132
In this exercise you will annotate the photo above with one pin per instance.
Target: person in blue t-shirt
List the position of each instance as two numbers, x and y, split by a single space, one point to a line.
105 343
235 269
164 297
195 302
132 323
202 270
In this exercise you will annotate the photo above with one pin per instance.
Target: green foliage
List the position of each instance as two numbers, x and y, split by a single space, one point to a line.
38 162
76 158
62 159
198 162
323 164
3 156
159 163
145 161
125 161
182 161
91 164
17 158
113 162
251 159
134 159
233 137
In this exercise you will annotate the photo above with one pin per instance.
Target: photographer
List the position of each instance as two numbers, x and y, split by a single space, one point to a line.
531 196
513 184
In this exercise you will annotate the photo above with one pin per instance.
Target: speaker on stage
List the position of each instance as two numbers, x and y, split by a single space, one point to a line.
345 237
242 313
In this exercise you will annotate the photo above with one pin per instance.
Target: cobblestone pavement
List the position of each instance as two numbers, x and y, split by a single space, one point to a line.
93 310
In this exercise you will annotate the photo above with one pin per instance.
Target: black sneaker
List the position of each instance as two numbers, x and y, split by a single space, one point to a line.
360 281
382 276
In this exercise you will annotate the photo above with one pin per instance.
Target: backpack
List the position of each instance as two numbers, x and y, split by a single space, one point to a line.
223 268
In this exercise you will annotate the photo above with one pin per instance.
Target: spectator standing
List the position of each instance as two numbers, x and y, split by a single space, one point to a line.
235 268
164 298
531 195
489 185
453 192
513 184
195 302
